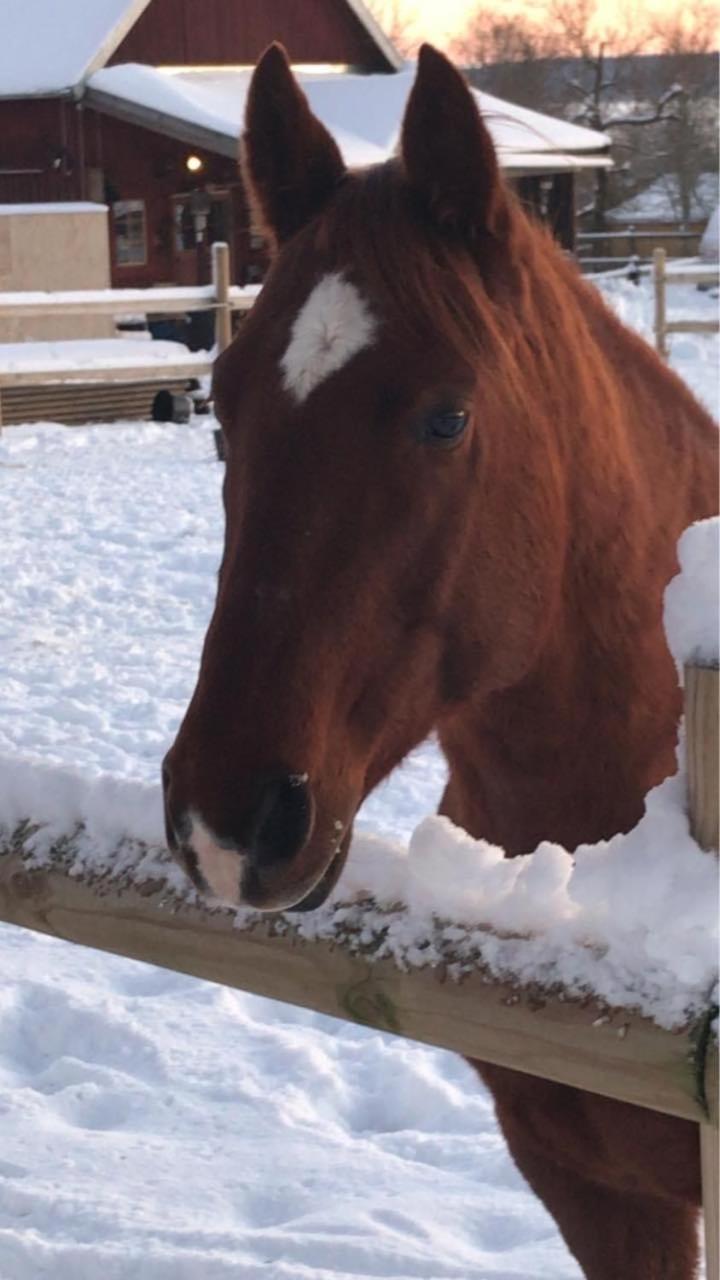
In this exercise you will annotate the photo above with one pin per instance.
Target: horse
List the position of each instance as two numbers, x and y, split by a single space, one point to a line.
453 492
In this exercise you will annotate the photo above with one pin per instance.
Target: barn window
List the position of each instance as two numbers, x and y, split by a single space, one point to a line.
130 235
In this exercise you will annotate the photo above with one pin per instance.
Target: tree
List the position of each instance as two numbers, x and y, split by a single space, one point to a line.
572 64
398 22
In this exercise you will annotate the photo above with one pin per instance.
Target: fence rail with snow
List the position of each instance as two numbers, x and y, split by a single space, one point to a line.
357 965
219 296
662 277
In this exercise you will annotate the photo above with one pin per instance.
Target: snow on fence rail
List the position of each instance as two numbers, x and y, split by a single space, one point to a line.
136 905
679 275
220 297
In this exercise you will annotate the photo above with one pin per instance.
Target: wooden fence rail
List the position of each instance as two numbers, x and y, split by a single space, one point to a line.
220 297
681 275
615 1053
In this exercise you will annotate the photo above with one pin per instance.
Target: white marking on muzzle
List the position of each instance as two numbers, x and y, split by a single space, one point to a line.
222 869
332 326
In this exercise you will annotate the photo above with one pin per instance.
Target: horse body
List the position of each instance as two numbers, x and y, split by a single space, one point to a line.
454 489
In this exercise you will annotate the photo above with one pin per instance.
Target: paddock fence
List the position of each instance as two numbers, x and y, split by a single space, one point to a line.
630 249
664 277
110 388
579 1042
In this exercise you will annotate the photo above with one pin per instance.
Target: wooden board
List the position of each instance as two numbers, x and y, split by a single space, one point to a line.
576 1043
76 404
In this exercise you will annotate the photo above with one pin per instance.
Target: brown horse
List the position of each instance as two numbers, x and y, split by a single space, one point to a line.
454 488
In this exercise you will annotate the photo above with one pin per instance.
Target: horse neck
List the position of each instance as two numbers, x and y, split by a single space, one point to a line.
569 752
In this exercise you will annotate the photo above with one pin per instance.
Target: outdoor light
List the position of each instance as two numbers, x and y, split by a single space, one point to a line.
193 163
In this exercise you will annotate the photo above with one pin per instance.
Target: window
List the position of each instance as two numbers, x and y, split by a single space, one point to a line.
130 237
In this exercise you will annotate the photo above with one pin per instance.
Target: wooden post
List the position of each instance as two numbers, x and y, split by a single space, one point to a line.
221 286
702 685
659 262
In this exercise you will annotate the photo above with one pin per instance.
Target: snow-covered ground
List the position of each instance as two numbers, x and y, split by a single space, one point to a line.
155 1126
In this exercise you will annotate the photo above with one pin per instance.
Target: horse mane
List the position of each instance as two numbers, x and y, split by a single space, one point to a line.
517 308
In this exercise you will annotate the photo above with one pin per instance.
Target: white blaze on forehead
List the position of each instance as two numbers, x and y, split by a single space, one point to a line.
332 326
220 868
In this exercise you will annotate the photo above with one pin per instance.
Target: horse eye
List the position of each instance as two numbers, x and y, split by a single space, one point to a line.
444 427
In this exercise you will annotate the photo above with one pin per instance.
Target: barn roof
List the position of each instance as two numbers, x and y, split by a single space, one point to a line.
50 47
205 108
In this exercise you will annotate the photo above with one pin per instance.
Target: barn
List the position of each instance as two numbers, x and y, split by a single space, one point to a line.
136 104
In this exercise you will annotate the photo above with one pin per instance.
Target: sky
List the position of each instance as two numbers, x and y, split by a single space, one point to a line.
442 20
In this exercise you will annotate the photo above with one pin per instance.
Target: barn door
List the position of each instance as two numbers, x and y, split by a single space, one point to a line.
199 219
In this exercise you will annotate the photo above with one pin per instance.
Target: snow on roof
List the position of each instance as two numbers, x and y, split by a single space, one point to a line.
363 112
661 201
59 206
50 46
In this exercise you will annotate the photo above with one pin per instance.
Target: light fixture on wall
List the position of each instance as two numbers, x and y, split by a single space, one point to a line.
194 164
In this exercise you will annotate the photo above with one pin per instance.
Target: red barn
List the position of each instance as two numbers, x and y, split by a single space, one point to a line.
137 104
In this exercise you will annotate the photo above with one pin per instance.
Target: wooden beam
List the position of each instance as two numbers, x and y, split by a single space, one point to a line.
702 687
692 275
692 326
221 290
659 258
577 1043
155 371
702 702
117 302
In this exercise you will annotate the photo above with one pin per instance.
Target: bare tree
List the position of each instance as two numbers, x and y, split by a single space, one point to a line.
571 64
602 91
398 21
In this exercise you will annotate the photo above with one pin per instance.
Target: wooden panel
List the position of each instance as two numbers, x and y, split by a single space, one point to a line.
197 32
76 405
692 326
574 1043
39 151
702 695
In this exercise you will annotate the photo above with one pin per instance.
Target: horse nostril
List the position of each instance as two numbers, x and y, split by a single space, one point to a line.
282 820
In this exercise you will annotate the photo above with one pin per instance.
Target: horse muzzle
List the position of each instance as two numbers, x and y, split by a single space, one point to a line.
280 852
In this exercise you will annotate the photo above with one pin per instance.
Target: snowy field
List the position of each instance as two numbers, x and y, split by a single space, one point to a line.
155 1126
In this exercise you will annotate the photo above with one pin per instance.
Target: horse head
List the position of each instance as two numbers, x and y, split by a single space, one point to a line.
394 520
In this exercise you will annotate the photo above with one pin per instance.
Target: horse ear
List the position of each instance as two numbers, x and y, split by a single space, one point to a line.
290 163
448 154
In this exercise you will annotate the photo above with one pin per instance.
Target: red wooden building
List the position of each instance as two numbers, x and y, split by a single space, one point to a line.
137 104
167 200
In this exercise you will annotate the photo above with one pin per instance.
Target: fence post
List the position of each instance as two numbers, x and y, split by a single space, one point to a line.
702 686
659 259
221 287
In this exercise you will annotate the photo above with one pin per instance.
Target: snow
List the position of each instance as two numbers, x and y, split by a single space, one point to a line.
59 206
364 113
149 300
48 46
694 358
156 1126
692 600
72 354
661 202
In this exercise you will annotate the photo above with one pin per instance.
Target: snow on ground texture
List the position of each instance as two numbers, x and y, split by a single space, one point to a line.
155 1126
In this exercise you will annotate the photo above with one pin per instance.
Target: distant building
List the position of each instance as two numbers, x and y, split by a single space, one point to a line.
137 104
675 224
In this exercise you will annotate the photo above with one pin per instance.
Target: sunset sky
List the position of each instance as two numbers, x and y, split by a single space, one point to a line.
442 20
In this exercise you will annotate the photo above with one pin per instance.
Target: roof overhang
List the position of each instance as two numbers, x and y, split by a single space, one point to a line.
195 135
376 33
181 126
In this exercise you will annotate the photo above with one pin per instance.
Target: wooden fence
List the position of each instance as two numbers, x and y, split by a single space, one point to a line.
219 297
616 1053
679 275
